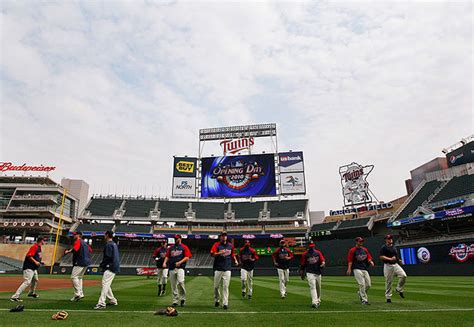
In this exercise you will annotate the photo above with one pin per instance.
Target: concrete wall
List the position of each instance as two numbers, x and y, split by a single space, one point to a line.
18 252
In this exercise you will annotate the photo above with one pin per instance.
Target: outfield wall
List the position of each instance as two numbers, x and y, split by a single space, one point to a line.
18 252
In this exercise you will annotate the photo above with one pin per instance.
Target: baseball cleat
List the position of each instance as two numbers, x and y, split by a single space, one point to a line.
314 306
216 304
99 307
389 301
225 307
33 295
16 299
112 303
365 303
243 294
250 297
174 305
77 298
182 303
401 294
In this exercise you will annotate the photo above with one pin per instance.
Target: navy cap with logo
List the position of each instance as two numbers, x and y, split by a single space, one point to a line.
359 239
177 236
388 237
223 234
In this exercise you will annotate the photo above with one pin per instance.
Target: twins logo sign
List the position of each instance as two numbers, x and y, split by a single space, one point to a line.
355 187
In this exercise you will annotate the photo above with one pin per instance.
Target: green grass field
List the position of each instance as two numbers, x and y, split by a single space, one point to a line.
430 301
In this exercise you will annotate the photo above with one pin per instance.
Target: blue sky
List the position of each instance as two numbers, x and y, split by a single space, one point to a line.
110 91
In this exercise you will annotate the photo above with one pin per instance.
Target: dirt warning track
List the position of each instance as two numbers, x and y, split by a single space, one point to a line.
11 283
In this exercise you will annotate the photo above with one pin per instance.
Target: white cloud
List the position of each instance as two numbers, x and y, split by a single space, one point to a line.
109 93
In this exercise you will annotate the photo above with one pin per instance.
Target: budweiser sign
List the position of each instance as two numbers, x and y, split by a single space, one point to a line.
235 145
8 166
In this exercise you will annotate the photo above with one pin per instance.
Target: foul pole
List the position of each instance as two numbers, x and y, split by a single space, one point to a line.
57 231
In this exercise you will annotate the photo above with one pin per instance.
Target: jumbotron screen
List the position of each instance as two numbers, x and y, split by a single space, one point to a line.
238 176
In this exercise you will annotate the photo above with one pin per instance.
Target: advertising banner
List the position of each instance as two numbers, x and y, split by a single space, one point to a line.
238 176
290 161
462 155
292 183
184 167
184 186
461 252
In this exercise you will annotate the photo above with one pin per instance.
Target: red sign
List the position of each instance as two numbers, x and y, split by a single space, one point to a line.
236 145
146 271
8 166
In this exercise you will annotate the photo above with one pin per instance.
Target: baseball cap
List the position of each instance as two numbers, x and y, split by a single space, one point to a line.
282 241
311 243
388 237
223 233
359 239
246 241
177 236
76 233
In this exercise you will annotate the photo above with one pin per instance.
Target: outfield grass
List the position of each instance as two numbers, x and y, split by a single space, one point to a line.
430 301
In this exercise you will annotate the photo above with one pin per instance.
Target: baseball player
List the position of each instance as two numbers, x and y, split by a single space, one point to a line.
247 258
110 265
391 267
358 261
30 271
223 253
175 260
312 262
81 260
281 259
162 273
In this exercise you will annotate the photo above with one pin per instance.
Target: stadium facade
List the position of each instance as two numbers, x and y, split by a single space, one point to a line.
433 225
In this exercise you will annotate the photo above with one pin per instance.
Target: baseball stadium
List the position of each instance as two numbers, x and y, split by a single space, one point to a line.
236 244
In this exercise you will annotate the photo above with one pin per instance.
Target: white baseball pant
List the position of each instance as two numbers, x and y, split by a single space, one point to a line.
363 279
221 280
176 277
76 276
314 281
247 281
106 292
284 277
390 270
30 278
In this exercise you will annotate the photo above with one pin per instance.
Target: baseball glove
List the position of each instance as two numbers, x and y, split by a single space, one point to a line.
18 308
169 311
61 315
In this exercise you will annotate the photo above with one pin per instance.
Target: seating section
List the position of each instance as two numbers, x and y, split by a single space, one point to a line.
94 227
353 223
323 226
139 208
103 207
247 210
286 208
9 264
456 187
209 210
419 198
173 209
133 228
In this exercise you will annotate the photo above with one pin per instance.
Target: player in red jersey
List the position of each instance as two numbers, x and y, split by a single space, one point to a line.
224 254
247 257
358 261
281 259
176 257
30 271
312 262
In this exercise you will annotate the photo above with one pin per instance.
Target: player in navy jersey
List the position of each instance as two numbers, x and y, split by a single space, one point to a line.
281 259
30 270
247 257
175 260
358 261
81 260
224 254
391 267
162 273
312 262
